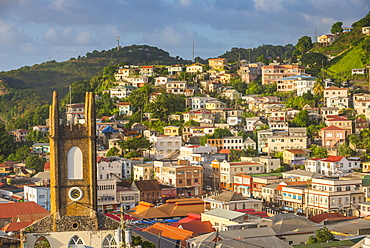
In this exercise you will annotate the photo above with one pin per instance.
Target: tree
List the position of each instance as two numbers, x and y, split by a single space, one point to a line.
166 104
7 145
336 28
346 151
35 162
262 59
137 144
363 22
315 60
138 98
137 241
304 44
114 151
302 119
36 136
318 152
318 87
254 88
20 154
322 235
240 86
219 133
105 106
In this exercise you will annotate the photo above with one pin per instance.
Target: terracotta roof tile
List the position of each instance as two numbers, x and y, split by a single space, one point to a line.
333 128
169 231
198 227
13 209
15 226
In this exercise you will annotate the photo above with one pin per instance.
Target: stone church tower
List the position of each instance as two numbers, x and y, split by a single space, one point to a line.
73 170
73 187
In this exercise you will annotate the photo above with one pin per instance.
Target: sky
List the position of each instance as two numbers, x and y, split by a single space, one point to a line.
36 31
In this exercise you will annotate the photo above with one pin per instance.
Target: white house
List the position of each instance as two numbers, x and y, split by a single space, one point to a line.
337 101
333 165
121 91
114 167
38 194
164 147
162 80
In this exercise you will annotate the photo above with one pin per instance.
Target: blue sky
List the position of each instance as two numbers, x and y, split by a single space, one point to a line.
35 31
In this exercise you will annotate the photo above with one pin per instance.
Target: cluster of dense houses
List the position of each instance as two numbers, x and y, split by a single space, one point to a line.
232 197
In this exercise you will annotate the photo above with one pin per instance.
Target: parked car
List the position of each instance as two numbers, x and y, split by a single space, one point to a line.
209 188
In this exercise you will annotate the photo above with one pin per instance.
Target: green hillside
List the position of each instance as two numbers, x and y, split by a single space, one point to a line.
350 51
48 76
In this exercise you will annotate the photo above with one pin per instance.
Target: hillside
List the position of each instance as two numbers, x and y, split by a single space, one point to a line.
351 50
52 75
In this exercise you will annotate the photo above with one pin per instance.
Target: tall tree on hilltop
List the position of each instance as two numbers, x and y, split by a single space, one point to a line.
304 44
336 28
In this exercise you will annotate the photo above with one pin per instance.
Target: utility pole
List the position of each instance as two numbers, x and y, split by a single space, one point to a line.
123 228
117 42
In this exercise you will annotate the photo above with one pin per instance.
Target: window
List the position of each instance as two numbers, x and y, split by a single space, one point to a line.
75 242
109 242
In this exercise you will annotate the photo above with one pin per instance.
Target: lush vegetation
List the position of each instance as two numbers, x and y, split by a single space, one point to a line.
268 51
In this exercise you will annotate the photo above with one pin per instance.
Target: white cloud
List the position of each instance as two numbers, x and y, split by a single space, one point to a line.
51 35
10 34
268 5
83 38
185 3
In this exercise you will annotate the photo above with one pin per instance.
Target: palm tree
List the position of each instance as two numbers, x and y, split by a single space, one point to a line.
318 88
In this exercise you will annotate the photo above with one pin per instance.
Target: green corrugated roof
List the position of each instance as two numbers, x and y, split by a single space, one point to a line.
324 244
365 180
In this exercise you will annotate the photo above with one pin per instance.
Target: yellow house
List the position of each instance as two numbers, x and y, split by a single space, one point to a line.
171 130
215 104
218 63
365 166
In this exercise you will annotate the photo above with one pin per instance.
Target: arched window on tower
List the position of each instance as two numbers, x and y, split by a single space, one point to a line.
75 242
109 242
42 242
75 162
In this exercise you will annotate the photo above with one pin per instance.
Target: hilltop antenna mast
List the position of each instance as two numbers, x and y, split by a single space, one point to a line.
193 52
117 42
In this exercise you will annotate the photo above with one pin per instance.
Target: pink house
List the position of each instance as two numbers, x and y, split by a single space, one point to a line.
332 136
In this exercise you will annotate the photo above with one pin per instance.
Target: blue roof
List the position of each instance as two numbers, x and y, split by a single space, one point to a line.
295 77
109 129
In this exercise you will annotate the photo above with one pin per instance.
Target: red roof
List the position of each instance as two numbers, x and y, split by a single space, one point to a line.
15 226
333 128
335 87
320 217
47 166
333 159
198 227
227 151
12 209
190 218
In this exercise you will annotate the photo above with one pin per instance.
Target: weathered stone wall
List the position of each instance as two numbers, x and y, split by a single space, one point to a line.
107 223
